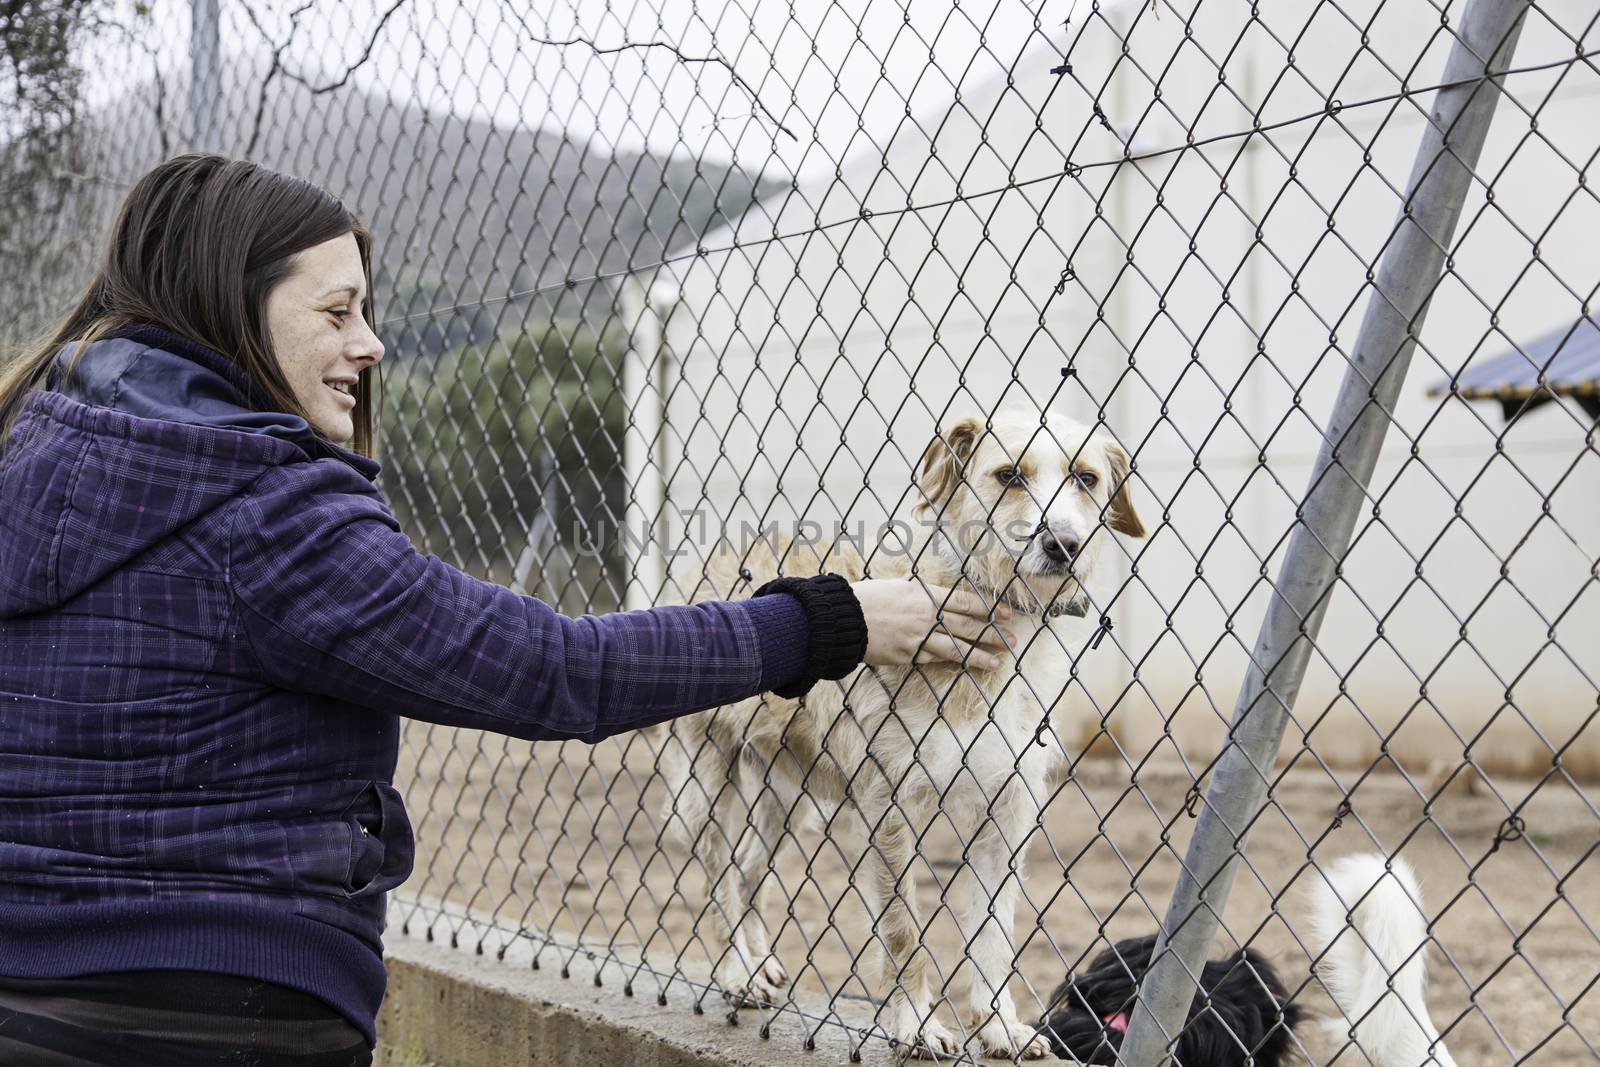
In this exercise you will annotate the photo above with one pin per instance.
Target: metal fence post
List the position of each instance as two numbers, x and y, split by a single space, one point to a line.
646 487
1407 274
205 73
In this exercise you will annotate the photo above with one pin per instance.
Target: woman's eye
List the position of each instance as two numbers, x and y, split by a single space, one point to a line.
338 314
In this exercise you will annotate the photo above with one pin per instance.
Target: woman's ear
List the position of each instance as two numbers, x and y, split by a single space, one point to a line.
943 462
1120 514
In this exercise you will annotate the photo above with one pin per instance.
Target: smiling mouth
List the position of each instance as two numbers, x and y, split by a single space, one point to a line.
344 389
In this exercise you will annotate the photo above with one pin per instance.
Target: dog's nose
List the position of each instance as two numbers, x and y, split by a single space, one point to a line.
1060 545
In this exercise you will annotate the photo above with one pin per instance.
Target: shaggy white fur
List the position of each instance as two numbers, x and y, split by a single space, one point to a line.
1020 510
1367 918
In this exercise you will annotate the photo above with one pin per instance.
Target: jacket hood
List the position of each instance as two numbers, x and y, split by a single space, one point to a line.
146 434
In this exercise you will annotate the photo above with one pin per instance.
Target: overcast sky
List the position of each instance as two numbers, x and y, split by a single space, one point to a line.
816 68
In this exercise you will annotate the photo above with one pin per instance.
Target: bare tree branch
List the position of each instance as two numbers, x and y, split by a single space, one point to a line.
277 64
627 46
279 69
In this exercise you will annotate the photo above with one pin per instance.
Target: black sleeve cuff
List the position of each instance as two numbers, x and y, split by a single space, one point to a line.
835 627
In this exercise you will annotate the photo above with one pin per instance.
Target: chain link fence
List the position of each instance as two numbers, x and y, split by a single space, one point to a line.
659 282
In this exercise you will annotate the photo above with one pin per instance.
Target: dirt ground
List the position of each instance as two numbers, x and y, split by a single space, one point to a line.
554 841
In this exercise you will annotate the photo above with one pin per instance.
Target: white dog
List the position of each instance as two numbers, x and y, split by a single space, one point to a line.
1019 510
1373 935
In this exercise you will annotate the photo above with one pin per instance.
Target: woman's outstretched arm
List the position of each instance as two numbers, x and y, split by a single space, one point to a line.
335 600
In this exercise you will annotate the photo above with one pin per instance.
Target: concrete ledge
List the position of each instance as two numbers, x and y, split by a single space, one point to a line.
450 1008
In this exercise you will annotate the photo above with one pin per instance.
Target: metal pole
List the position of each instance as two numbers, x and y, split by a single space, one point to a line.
1406 277
646 485
205 73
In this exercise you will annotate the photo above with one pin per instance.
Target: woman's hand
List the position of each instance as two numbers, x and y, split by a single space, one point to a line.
909 622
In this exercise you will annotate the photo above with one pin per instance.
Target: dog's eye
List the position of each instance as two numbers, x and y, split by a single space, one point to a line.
1010 477
1087 479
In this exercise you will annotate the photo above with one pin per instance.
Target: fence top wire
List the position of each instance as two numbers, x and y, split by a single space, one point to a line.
1333 108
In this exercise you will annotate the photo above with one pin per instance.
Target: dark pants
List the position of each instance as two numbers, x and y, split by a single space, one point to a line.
170 1019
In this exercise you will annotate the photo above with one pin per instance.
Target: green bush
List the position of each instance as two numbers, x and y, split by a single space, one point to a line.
491 446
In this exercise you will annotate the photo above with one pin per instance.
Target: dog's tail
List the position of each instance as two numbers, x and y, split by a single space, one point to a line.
1367 918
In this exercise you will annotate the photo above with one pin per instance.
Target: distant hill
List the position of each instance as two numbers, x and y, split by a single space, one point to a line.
462 210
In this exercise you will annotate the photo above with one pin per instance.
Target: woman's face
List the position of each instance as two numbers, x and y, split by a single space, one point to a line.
319 334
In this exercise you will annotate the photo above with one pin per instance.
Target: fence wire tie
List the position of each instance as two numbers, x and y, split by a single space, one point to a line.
1510 830
1341 813
1038 735
1100 635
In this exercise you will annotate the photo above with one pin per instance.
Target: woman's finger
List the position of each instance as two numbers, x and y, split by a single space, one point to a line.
968 603
941 646
992 636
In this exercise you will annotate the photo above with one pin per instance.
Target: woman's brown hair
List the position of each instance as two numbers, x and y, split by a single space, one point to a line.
198 244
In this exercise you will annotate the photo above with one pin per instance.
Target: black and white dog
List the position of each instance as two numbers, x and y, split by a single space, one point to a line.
1370 926
1239 1017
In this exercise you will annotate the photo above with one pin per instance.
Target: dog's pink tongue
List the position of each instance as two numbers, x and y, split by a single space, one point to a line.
1118 1022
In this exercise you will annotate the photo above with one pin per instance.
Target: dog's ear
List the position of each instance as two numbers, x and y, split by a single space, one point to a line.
1120 514
943 462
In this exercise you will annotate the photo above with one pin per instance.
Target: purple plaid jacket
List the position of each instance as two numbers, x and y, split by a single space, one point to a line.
210 625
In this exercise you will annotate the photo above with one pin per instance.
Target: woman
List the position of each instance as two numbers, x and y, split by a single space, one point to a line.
210 624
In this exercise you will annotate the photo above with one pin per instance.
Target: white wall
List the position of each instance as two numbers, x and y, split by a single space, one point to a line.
821 360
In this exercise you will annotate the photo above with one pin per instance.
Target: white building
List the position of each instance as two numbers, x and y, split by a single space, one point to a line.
999 239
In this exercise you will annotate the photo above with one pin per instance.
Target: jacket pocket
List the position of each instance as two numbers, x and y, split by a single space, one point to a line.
381 847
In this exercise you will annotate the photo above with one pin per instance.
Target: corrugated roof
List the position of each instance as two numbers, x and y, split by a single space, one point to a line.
1568 359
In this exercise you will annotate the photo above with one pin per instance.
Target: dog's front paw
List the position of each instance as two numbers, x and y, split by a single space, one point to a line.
772 971
920 1038
1009 1038
760 988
